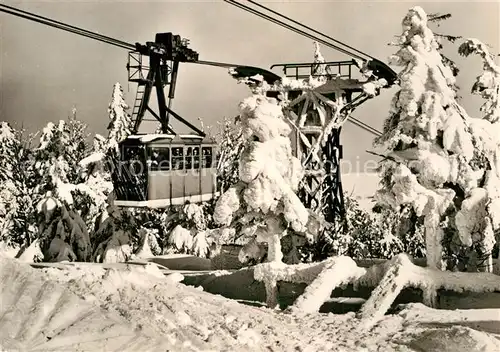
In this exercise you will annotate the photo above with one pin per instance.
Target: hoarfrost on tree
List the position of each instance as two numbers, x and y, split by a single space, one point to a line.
436 155
269 176
120 120
11 187
55 180
181 239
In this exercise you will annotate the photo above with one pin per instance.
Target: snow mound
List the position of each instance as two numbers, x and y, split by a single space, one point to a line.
41 314
453 339
88 308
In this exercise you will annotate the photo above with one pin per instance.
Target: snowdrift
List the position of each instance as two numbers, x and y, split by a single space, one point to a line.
41 315
88 308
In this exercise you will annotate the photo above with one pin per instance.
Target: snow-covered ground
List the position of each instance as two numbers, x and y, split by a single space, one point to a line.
88 308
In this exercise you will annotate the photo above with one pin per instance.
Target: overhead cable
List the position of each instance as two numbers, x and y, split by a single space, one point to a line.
66 27
292 28
364 55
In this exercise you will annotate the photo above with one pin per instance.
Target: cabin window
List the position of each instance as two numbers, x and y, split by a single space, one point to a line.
189 158
177 158
192 158
196 157
159 159
206 157
132 152
134 156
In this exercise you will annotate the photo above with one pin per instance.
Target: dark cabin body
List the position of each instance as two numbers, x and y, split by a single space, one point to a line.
159 170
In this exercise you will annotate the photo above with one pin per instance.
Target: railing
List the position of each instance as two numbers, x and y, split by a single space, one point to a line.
341 69
137 72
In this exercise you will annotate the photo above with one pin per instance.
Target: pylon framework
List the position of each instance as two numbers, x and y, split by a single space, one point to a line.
317 113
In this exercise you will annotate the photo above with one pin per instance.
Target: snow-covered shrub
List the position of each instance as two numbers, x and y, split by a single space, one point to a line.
380 234
194 215
206 243
180 239
113 240
252 253
62 234
149 246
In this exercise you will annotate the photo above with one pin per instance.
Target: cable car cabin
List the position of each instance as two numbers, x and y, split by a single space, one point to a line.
160 170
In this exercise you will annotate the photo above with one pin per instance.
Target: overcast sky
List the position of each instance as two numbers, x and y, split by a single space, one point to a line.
44 72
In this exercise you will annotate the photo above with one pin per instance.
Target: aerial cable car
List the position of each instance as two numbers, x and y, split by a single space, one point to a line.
158 170
161 169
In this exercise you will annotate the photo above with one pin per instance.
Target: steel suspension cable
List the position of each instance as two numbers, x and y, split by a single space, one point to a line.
364 126
65 27
128 46
68 25
363 55
289 27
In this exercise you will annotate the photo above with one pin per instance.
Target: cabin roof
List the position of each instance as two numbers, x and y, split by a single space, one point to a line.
169 138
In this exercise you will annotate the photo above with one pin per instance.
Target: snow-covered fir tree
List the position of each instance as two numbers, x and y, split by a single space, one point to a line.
120 121
112 242
487 84
54 182
437 157
110 231
16 221
319 67
98 166
95 175
230 148
264 200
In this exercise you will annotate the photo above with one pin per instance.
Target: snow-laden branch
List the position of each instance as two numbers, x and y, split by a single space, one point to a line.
488 83
389 279
403 273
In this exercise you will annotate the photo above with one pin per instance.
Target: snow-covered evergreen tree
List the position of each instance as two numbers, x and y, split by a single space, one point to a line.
319 68
99 164
436 155
109 230
265 197
230 148
120 120
487 85
96 176
112 242
55 177
15 201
